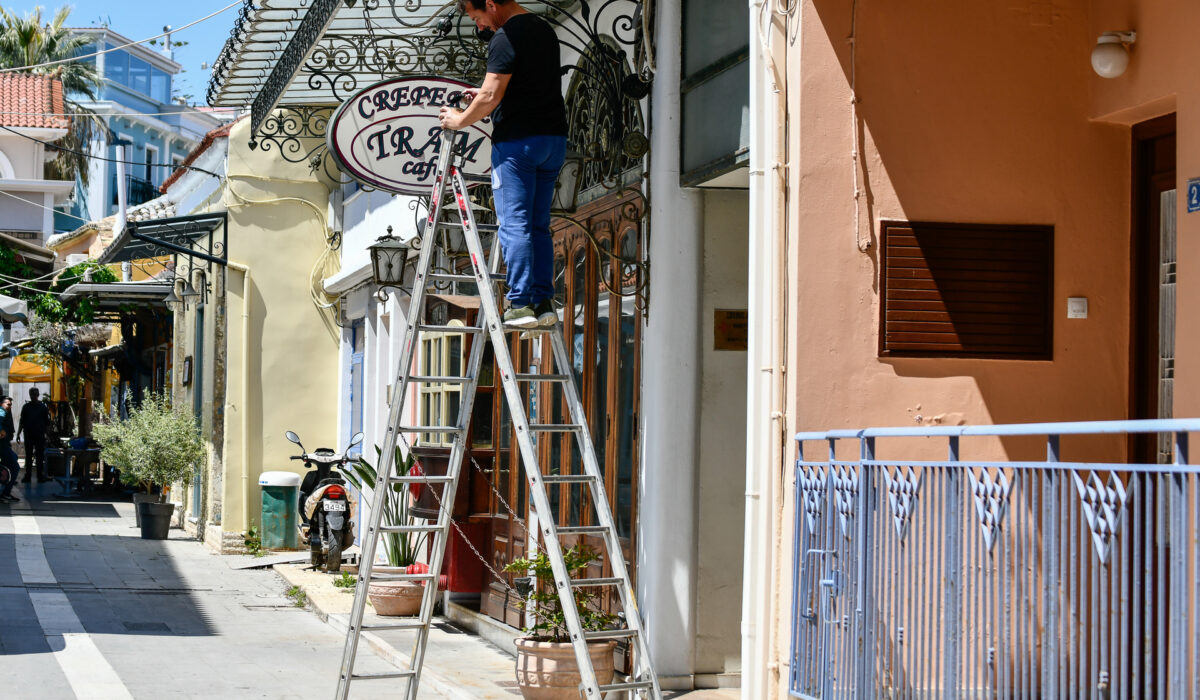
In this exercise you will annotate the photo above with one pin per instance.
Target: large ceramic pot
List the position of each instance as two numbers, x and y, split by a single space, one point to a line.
548 671
396 598
156 520
138 499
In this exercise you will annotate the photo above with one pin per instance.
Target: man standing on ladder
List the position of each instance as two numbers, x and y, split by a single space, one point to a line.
523 92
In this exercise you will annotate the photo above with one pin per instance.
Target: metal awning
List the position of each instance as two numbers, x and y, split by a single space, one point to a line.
116 294
305 53
177 235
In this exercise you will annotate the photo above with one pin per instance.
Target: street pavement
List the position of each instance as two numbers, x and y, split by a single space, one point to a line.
90 611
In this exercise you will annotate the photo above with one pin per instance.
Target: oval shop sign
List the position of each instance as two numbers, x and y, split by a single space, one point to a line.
388 135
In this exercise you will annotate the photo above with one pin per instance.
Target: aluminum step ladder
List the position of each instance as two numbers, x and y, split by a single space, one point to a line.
449 192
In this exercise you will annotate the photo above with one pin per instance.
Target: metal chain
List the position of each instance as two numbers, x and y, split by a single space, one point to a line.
462 534
374 42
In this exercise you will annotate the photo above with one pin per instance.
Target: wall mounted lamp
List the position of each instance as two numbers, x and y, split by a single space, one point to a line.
1110 58
389 256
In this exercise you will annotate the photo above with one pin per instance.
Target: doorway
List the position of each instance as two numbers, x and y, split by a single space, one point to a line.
1152 284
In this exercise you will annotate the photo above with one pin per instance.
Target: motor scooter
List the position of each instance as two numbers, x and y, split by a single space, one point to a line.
326 504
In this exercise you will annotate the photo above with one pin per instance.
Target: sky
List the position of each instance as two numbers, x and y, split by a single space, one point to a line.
132 19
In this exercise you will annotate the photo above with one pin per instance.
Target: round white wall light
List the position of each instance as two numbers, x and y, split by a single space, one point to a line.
1110 58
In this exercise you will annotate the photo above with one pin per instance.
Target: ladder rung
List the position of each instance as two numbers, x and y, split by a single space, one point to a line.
553 427
610 634
431 429
400 577
476 179
449 329
452 277
585 582
568 478
428 379
583 530
627 685
421 479
457 226
542 377
397 625
411 528
380 675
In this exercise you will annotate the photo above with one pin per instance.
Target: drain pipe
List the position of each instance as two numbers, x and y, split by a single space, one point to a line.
763 367
245 391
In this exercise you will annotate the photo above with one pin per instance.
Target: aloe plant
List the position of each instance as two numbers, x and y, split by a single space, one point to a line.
401 548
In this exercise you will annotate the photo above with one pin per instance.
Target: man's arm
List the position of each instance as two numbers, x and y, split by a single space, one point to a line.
486 97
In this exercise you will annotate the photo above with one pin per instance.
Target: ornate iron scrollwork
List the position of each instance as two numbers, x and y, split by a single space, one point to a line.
298 133
339 60
310 30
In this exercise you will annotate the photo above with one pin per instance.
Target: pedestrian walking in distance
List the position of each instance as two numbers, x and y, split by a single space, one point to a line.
8 458
522 91
35 419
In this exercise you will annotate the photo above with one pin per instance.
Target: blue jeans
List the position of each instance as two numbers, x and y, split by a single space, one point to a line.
523 175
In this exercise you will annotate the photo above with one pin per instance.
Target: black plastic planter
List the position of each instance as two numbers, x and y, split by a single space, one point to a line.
156 520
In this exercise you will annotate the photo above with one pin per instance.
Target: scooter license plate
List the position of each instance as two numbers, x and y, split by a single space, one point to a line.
335 505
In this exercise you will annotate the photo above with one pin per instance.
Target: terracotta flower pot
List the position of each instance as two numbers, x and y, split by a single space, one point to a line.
548 671
396 598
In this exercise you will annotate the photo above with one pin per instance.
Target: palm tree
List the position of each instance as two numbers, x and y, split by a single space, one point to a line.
28 41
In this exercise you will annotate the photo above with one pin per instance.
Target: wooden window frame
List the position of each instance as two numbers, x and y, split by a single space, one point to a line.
1046 354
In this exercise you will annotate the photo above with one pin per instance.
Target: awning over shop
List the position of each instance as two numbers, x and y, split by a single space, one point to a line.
12 310
29 253
112 299
192 236
28 368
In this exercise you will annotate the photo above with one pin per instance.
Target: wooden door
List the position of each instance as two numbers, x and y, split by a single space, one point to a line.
596 281
1152 304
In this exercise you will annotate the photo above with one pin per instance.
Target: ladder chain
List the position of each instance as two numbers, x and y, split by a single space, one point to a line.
516 518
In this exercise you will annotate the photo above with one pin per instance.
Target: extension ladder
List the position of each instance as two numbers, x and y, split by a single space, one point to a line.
450 180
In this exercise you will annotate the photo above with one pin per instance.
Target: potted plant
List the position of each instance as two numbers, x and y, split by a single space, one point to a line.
546 665
157 446
393 598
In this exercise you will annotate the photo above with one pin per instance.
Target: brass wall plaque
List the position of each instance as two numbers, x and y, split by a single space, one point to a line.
730 329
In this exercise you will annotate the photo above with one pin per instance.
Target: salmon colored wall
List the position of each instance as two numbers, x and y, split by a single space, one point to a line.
1161 78
973 112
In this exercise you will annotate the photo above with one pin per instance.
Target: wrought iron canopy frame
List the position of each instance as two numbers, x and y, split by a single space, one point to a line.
156 238
303 54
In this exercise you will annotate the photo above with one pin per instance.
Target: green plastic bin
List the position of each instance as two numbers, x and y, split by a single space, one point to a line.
280 516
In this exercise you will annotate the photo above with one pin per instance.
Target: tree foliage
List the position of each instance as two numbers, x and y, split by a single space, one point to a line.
30 40
157 444
80 311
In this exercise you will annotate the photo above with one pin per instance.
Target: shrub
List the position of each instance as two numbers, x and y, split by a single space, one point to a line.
156 445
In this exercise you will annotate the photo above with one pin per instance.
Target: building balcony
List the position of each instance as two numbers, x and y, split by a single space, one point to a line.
137 191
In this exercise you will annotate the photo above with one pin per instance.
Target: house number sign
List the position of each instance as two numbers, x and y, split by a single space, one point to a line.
388 135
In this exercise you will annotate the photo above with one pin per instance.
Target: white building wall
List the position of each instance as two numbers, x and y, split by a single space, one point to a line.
667 571
720 505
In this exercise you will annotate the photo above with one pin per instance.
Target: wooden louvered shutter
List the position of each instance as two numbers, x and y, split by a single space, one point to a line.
966 290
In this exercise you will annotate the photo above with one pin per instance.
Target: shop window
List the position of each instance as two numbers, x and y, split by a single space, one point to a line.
966 290
438 402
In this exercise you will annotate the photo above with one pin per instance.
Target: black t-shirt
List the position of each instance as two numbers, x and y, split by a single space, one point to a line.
35 416
527 49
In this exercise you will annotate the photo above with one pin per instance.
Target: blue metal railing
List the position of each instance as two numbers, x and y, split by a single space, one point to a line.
994 578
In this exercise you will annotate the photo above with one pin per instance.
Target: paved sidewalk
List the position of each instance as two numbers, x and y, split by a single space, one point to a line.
90 611
458 665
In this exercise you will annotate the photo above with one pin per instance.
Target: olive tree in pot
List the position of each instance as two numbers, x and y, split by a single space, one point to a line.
546 665
157 446
393 598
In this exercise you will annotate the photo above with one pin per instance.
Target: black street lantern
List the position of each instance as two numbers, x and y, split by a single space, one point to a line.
388 257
